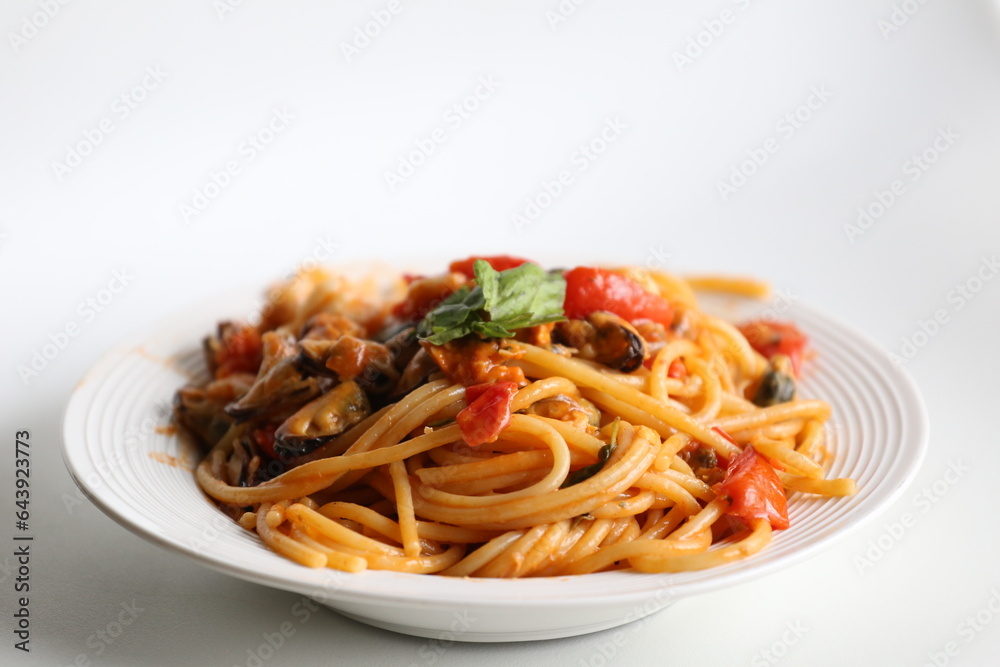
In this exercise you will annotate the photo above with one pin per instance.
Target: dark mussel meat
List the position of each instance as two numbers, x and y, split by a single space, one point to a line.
704 463
321 420
201 410
375 364
211 345
350 358
279 382
777 385
420 367
401 340
605 338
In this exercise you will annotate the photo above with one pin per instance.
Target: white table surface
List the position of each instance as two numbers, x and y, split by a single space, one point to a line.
209 78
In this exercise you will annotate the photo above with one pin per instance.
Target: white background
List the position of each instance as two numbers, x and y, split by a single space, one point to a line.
653 192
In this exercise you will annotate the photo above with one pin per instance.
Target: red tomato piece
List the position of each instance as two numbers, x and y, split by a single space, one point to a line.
264 439
240 351
677 370
498 262
487 412
590 290
754 490
770 338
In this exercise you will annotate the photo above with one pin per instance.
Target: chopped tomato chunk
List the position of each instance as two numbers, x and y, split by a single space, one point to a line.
754 490
470 360
677 370
240 351
590 290
498 262
487 412
770 338
264 439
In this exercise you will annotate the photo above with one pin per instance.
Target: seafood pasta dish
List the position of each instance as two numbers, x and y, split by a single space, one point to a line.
504 419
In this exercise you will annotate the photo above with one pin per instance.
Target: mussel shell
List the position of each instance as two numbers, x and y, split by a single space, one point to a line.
774 388
618 344
281 384
321 420
605 338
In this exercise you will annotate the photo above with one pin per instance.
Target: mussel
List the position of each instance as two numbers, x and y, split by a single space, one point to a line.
350 358
419 368
401 341
321 420
777 385
279 381
605 338
201 410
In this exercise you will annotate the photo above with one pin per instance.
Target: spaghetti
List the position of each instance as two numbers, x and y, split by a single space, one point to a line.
500 420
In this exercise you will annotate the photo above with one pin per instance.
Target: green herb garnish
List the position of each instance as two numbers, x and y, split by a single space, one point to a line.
501 302
603 455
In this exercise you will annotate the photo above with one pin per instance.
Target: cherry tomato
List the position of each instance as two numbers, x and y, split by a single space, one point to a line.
589 290
770 338
498 262
754 490
488 412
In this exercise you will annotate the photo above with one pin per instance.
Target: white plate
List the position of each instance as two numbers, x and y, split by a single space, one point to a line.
120 459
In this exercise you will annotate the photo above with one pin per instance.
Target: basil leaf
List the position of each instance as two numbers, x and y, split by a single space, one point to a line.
603 455
450 314
552 289
523 296
442 335
488 280
491 330
587 472
500 303
452 318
